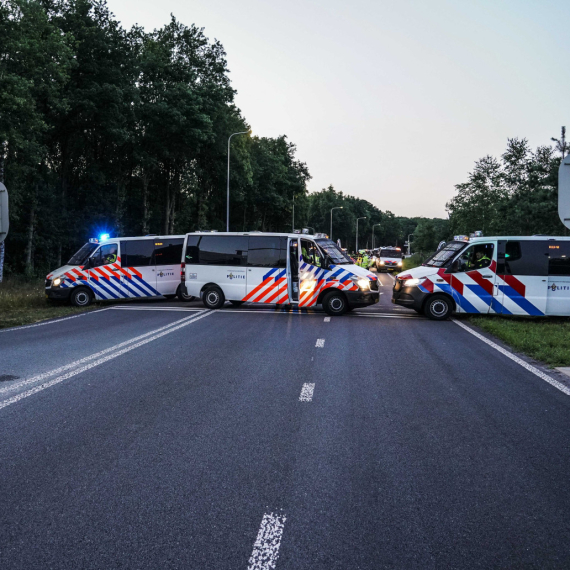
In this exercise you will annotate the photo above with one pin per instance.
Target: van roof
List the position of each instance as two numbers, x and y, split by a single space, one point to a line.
140 237
253 233
520 238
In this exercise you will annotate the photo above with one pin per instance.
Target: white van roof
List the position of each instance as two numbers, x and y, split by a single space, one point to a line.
254 233
113 239
520 238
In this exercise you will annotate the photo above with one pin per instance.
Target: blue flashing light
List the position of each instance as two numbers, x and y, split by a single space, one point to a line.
103 237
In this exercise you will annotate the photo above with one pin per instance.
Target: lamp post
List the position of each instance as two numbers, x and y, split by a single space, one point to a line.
293 224
363 218
228 202
409 245
335 208
373 233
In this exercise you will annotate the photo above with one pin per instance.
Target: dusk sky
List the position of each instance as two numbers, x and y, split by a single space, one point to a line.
392 102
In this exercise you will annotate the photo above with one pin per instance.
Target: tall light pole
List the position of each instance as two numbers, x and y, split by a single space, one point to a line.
363 218
293 224
373 233
335 208
228 202
409 245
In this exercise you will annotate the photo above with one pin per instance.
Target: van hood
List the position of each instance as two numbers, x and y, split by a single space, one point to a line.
70 272
356 270
418 272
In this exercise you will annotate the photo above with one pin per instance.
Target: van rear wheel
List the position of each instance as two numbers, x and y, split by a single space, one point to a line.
438 308
335 304
81 297
213 298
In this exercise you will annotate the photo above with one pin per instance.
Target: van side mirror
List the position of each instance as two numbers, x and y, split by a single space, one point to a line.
88 263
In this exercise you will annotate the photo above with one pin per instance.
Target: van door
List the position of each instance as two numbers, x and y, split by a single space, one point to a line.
472 281
293 271
523 277
558 292
104 274
167 259
138 275
266 270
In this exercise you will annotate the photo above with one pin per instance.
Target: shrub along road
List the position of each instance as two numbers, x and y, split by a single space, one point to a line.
249 438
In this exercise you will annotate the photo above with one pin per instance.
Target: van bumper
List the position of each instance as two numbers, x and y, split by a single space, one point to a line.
358 299
411 297
58 293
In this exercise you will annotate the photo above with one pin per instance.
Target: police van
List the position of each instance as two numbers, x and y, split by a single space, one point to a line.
527 275
389 259
120 268
290 269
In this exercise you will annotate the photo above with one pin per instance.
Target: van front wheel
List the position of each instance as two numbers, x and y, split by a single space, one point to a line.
213 298
438 308
335 303
81 297
183 296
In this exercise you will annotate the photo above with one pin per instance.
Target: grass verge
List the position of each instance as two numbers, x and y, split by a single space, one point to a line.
545 339
23 302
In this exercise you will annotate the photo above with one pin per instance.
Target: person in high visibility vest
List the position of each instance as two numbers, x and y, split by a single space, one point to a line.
481 260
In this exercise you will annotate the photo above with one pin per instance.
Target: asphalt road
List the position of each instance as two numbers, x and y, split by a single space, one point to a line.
162 435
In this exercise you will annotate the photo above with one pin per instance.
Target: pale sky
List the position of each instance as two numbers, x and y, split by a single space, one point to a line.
392 102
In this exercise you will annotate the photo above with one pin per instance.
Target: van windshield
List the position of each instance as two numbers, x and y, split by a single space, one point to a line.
391 253
81 256
441 257
331 249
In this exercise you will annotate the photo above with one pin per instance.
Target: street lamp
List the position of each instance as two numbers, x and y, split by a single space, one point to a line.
409 245
373 233
335 208
363 218
293 224
228 202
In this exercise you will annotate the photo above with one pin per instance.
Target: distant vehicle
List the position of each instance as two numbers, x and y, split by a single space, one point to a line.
502 275
389 259
120 268
289 269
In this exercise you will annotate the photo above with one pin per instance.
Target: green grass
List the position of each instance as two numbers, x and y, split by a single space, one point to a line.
23 302
546 339
410 262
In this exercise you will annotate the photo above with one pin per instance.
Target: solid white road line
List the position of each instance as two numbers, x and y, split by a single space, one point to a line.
174 309
266 546
516 359
320 343
327 319
50 383
60 369
12 329
307 392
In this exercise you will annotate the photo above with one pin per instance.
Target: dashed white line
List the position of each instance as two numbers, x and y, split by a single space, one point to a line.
111 356
266 547
327 319
516 359
307 392
320 343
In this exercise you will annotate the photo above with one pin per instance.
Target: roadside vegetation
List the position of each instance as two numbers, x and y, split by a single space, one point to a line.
546 339
23 302
413 261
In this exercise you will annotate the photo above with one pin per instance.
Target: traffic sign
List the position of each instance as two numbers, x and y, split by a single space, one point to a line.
4 222
564 191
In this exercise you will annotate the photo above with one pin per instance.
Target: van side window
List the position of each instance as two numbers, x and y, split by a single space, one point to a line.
477 256
267 251
105 255
137 253
526 257
192 251
168 251
223 250
310 253
559 258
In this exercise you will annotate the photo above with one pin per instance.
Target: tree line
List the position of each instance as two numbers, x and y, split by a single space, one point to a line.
109 130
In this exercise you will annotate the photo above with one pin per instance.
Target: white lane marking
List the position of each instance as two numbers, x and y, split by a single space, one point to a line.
320 343
153 309
307 392
266 547
327 319
516 359
387 316
59 379
59 370
52 322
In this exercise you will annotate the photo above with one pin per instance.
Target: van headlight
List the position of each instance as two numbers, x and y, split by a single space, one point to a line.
399 264
56 282
412 282
381 263
362 283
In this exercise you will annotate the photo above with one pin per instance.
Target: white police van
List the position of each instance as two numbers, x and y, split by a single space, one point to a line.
525 275
389 259
289 269
119 268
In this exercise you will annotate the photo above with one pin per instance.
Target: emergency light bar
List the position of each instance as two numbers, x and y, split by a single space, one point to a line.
93 240
461 238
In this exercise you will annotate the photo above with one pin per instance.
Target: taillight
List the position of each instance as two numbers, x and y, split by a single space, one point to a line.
182 272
